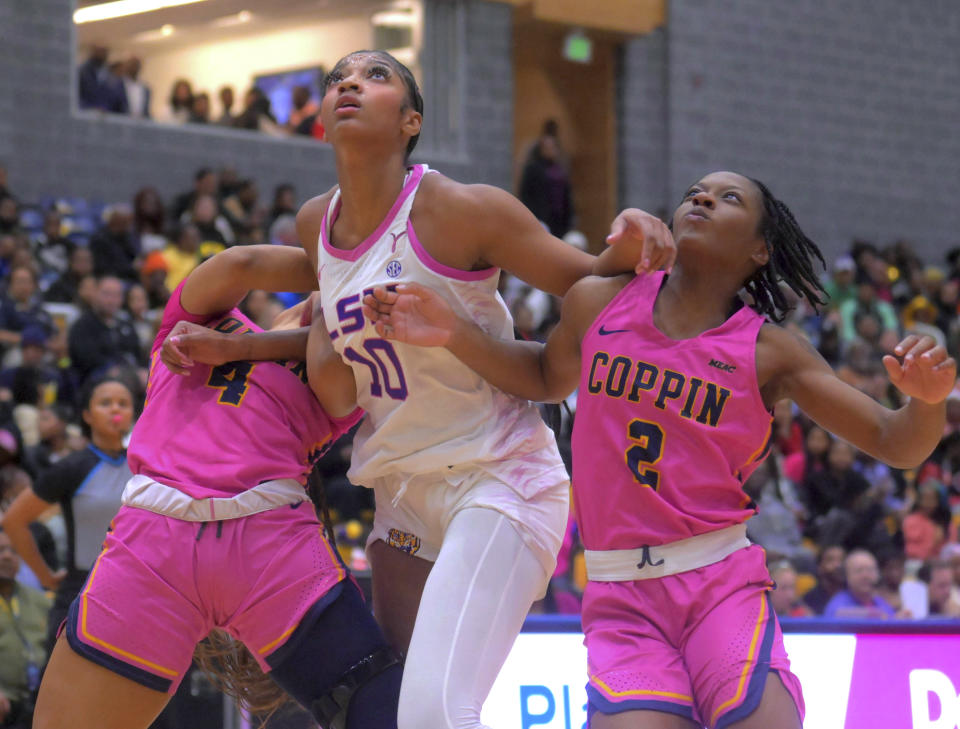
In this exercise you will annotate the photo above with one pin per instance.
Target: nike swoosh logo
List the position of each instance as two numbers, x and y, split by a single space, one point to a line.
604 332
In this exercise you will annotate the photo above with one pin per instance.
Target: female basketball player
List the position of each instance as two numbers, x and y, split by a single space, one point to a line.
214 533
470 489
677 380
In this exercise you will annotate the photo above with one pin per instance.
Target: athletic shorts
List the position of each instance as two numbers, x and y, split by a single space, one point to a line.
412 514
160 585
698 644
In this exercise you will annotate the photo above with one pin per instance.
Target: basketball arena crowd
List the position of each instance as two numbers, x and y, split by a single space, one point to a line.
83 285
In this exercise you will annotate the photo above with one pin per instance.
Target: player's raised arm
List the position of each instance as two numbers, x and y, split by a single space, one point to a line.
901 438
220 283
505 234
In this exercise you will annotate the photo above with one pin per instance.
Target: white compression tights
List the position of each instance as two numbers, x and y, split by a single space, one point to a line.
473 606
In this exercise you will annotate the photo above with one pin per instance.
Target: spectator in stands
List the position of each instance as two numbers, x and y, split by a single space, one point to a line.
37 382
941 587
149 219
284 202
137 92
227 117
112 90
51 249
784 598
925 527
304 112
181 103
866 301
4 189
920 317
9 216
545 183
66 288
213 226
101 339
840 287
205 182
137 307
113 247
859 600
240 209
200 109
256 113
23 629
91 77
52 423
775 525
812 459
20 307
891 577
182 256
829 578
153 278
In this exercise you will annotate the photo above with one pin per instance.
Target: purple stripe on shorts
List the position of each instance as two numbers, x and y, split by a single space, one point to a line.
597 702
144 678
758 679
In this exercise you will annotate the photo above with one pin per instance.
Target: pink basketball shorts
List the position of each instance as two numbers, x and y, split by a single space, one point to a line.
698 644
160 585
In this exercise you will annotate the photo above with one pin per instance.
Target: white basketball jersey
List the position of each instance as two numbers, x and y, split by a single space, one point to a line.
426 411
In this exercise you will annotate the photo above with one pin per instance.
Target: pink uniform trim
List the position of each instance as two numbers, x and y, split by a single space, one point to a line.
434 265
352 255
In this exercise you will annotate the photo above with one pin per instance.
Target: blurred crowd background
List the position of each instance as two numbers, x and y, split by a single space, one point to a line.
133 148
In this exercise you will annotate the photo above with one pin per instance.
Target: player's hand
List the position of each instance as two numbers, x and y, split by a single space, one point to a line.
921 369
413 314
648 235
56 578
189 343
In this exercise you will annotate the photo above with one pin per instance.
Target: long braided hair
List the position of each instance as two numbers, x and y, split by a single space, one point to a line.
791 256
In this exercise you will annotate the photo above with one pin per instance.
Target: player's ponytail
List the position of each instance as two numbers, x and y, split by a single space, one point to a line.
791 261
233 670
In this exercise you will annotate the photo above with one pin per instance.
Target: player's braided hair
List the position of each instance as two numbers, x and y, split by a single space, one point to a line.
791 261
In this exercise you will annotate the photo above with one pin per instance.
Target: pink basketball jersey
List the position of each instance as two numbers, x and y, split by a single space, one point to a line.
222 430
666 430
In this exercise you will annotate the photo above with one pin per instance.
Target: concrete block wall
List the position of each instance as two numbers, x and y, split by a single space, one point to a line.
644 134
50 149
847 110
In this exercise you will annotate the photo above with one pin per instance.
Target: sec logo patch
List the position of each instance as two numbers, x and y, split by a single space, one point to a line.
394 269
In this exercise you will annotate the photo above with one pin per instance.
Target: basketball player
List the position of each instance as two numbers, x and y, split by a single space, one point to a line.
677 380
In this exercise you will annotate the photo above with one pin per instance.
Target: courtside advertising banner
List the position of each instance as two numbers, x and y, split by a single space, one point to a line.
850 681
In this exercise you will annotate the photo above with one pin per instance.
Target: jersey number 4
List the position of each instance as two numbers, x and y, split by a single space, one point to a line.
646 451
231 378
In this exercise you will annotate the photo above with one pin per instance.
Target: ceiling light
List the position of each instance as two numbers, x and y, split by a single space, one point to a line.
166 30
393 17
121 8
227 21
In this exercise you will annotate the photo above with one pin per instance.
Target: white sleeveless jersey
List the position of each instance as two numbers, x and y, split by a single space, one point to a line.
426 411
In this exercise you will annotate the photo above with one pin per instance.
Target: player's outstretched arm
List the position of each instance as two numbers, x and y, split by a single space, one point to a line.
548 372
504 233
220 283
331 379
902 438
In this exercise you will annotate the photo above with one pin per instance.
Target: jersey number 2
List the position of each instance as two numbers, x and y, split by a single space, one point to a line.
231 378
645 452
